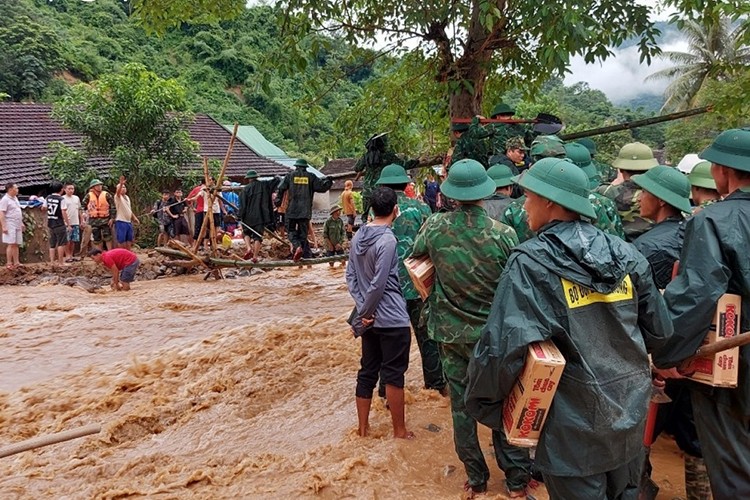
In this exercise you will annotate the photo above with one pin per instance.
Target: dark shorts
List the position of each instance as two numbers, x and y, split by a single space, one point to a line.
218 219
100 230
74 234
127 274
123 231
180 225
350 219
385 353
58 236
199 216
258 228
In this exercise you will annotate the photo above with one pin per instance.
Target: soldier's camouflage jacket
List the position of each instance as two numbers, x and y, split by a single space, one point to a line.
413 213
607 218
626 198
469 251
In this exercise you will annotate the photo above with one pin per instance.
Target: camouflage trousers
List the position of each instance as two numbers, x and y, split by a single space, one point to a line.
100 229
432 368
515 462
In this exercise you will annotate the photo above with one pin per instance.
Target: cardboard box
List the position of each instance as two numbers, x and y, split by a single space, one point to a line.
422 274
525 409
720 370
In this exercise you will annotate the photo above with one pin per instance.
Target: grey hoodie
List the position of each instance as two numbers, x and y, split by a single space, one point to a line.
372 278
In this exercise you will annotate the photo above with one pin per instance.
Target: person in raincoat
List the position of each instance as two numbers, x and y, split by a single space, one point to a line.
591 294
714 261
468 250
301 186
496 204
256 211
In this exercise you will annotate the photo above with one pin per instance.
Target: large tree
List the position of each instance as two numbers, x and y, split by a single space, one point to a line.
523 41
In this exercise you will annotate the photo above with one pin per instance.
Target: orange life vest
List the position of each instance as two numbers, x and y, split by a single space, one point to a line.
98 206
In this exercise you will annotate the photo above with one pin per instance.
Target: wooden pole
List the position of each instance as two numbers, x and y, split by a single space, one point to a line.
40 441
202 233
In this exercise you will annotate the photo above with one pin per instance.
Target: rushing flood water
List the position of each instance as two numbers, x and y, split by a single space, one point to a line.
205 389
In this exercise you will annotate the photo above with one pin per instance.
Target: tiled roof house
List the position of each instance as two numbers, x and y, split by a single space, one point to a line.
26 130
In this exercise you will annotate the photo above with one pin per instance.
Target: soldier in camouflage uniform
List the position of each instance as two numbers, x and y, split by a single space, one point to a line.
633 158
605 172
469 250
378 155
605 209
473 144
413 214
516 217
501 132
703 186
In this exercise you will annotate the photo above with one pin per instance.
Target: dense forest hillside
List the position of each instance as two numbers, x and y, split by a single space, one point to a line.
320 110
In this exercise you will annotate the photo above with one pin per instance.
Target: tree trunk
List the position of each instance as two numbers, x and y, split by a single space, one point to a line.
465 103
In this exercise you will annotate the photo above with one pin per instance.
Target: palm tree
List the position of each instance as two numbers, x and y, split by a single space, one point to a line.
715 51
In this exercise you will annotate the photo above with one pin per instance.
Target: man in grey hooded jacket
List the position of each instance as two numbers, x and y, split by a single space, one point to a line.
381 319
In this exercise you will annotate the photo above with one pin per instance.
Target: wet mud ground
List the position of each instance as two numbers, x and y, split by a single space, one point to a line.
206 389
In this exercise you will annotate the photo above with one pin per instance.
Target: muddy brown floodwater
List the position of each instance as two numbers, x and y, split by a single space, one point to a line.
205 389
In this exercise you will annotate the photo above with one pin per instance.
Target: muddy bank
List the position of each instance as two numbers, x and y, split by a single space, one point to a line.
207 389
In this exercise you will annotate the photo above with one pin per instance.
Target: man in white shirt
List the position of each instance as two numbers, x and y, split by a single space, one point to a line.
11 220
73 204
125 217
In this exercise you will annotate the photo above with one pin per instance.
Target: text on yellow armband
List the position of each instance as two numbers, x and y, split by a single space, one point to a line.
579 296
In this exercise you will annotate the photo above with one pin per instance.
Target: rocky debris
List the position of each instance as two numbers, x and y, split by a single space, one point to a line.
90 285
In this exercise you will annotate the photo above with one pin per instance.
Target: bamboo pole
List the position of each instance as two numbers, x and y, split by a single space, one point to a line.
202 233
266 264
40 441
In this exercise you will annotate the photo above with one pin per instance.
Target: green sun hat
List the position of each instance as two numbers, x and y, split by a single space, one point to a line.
251 174
588 143
95 182
635 156
701 176
579 155
393 174
301 163
459 127
731 149
467 181
334 209
667 184
501 174
561 182
502 109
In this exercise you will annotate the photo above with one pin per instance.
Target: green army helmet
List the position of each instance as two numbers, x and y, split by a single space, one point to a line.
301 162
95 182
501 174
667 184
635 156
561 182
502 109
731 149
588 143
467 181
459 127
393 174
701 176
547 146
334 209
251 174
579 155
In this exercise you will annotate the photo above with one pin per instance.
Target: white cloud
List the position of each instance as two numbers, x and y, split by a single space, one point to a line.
622 77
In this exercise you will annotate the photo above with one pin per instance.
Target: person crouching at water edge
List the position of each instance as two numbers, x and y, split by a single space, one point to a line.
123 264
381 319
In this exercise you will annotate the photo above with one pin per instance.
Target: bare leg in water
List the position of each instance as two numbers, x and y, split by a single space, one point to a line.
395 397
363 415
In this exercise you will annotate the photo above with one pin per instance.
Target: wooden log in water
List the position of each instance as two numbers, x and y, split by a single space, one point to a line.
264 264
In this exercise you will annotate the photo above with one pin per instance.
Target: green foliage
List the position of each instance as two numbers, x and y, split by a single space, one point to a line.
29 55
159 15
139 120
67 164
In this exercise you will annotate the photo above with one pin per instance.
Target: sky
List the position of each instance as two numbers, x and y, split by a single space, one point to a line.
621 77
